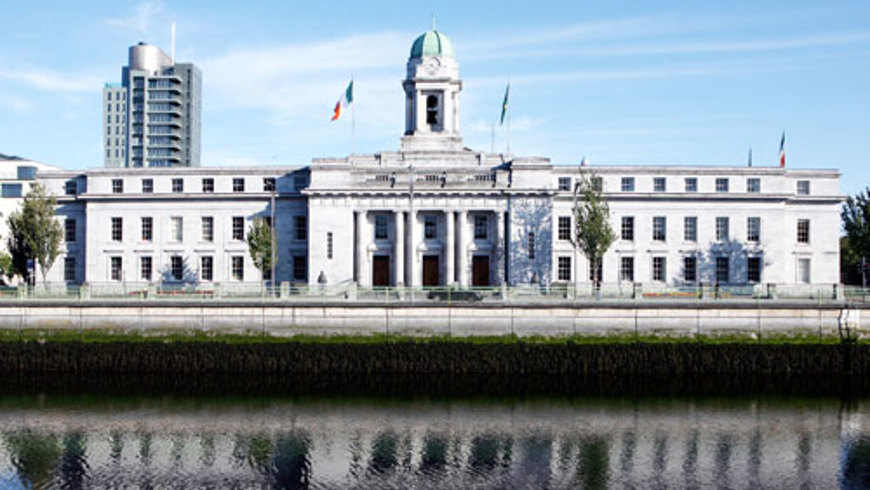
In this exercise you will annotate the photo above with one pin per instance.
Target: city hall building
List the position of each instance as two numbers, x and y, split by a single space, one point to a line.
435 213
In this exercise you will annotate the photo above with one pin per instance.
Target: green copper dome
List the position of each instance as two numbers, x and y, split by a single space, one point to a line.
432 43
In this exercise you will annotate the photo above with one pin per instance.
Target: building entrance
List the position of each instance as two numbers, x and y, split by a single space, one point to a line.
381 271
431 271
480 271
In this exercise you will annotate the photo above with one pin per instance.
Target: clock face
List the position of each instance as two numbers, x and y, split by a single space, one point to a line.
433 65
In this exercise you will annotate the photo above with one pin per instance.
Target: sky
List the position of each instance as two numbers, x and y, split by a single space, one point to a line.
618 82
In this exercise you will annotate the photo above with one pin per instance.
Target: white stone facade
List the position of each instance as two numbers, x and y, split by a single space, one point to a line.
435 213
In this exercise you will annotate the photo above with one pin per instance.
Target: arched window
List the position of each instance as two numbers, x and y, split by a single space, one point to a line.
432 110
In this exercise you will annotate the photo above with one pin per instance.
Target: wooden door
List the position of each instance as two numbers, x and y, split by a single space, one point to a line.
480 271
431 271
380 271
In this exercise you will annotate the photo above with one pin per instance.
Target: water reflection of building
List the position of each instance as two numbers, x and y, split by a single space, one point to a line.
536 445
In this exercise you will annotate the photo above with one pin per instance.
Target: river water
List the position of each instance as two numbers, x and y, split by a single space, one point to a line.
408 433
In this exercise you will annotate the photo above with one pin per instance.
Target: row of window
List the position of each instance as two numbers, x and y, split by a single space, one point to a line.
207 185
176 228
690 229
689 272
178 270
690 184
430 227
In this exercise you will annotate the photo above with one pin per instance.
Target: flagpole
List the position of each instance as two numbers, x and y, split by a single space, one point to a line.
352 122
509 110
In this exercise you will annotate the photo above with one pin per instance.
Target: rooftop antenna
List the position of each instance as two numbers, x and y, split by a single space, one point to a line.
173 42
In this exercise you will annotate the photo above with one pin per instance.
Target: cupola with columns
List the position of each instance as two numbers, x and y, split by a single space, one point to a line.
432 89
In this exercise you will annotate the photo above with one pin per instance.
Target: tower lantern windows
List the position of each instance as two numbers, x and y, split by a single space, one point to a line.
433 112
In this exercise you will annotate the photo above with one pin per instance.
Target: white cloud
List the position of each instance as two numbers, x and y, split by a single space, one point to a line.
53 81
16 103
142 18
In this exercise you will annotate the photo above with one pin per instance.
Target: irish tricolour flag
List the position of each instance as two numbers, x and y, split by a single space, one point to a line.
345 100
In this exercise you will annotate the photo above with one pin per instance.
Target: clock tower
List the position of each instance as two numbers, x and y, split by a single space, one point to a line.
432 89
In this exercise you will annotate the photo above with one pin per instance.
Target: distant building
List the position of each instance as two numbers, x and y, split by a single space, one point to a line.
436 213
153 117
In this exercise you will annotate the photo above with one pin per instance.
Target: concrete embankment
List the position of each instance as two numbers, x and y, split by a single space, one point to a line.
438 319
510 357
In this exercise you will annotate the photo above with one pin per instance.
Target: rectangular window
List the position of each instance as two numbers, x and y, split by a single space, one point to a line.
803 187
660 184
145 267
117 229
626 269
627 228
116 272
381 231
564 268
564 228
597 184
753 229
430 227
238 267
531 245
207 228
722 269
70 189
803 231
147 228
300 227
239 184
176 266
329 245
690 269
564 183
753 185
176 229
753 269
10 190
690 228
659 272
147 186
691 184
722 185
238 228
177 185
117 186
481 227
627 184
269 184
596 275
300 267
69 229
721 228
208 185
804 271
69 269
659 229
206 268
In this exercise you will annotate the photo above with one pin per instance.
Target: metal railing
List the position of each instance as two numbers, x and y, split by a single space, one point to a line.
525 294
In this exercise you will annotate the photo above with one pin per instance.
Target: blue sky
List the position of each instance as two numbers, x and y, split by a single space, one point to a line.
619 82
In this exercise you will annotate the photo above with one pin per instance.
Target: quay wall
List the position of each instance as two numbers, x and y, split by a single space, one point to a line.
425 320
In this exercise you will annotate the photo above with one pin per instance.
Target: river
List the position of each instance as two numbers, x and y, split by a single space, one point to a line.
473 432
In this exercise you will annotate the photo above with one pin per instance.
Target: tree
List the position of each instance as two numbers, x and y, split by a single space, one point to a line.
34 232
260 244
856 223
593 234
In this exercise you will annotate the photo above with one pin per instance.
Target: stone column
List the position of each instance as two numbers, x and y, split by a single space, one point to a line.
399 247
449 248
360 242
499 248
411 226
462 228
